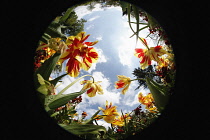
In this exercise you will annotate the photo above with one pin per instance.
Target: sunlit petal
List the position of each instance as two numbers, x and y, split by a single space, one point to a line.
110 112
123 82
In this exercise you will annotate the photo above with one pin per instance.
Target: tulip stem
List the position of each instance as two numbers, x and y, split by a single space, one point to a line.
63 90
96 122
144 43
138 79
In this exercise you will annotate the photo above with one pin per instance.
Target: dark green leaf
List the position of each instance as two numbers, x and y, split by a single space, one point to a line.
83 129
54 81
91 119
46 69
66 15
139 31
63 99
160 96
136 12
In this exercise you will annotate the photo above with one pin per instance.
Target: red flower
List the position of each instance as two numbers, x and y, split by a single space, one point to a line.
84 114
79 53
146 55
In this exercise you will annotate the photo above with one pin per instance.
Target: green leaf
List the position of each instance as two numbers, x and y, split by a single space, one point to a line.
45 86
83 129
46 68
43 89
49 99
136 12
54 114
139 30
63 99
152 21
40 79
63 90
54 81
91 119
159 94
66 15
129 17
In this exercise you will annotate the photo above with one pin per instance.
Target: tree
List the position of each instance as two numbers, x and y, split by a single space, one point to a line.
148 72
72 26
67 24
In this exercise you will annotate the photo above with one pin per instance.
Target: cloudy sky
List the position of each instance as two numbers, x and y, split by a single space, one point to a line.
115 49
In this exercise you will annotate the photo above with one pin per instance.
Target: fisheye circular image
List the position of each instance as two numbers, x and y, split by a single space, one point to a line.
104 69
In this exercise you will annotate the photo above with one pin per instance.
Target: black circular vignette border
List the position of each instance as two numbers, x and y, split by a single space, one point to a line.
182 119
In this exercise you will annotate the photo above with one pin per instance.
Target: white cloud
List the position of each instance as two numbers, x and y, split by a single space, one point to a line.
99 38
108 94
126 50
89 27
93 67
99 100
83 11
68 80
131 96
102 59
93 18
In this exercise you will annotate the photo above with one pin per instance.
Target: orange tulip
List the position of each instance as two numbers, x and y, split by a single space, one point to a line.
124 82
120 120
110 112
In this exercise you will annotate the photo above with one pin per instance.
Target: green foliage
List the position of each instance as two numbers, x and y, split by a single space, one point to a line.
90 121
45 86
143 73
63 99
46 68
55 81
132 10
85 129
66 24
159 93
66 15
52 31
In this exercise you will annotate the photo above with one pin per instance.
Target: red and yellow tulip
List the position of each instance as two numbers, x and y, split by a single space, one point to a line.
121 120
93 87
79 53
149 54
110 112
148 101
123 82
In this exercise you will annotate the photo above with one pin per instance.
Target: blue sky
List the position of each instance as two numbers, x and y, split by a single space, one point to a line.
116 49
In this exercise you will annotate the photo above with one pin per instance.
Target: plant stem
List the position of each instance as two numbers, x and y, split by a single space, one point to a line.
112 127
96 122
124 118
63 90
144 43
138 79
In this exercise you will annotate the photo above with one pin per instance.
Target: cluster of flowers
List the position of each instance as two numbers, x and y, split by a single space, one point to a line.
80 55
41 55
111 115
75 49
